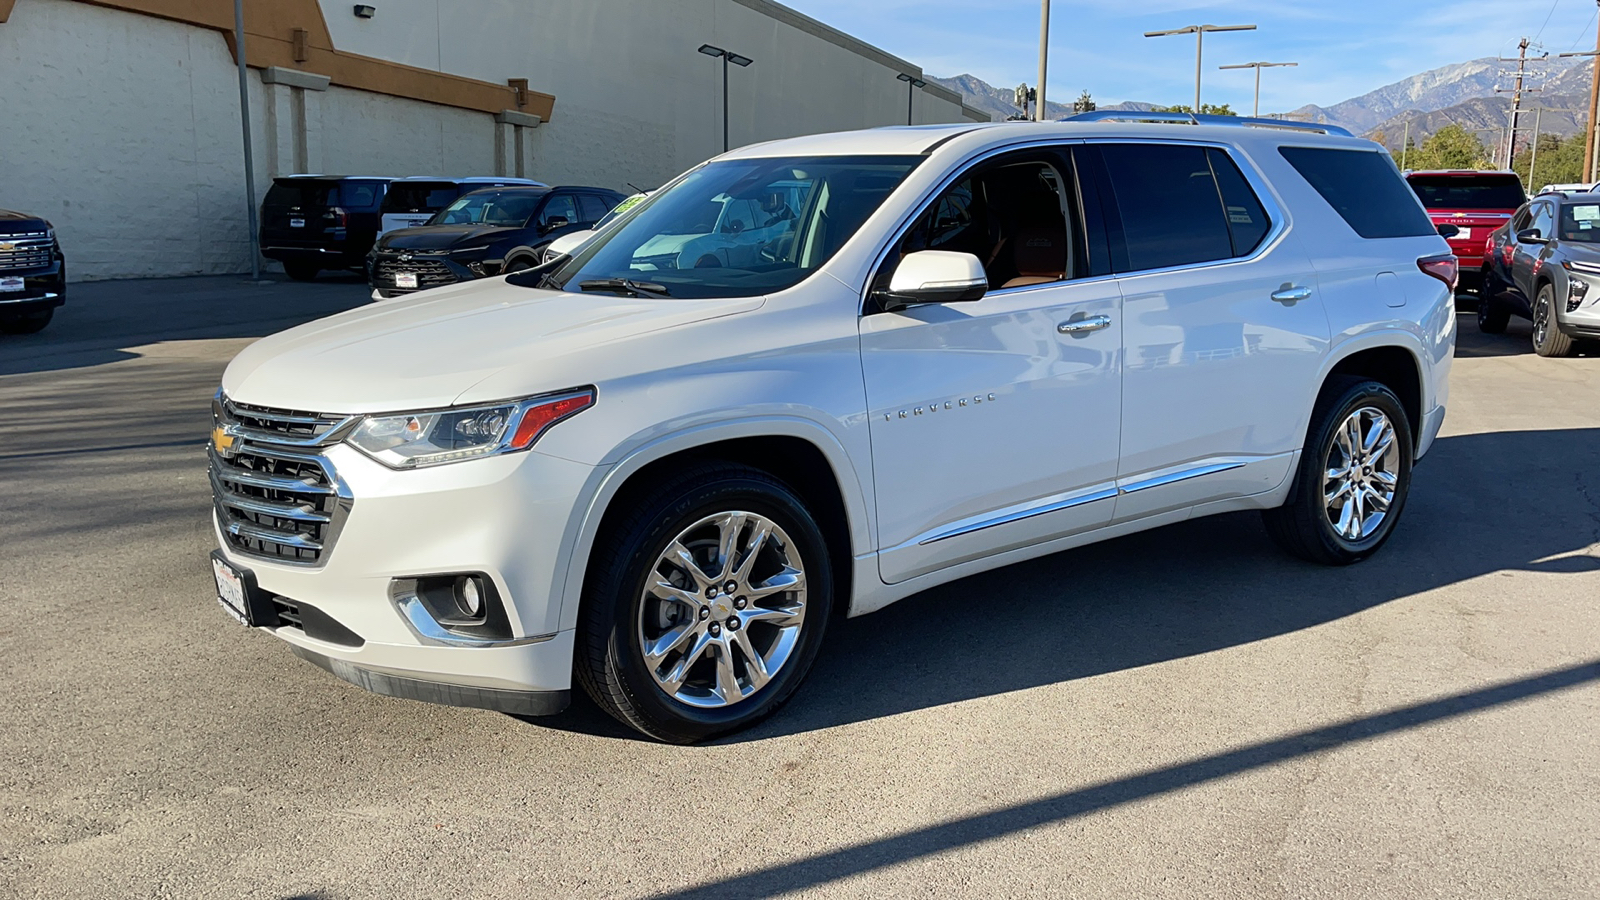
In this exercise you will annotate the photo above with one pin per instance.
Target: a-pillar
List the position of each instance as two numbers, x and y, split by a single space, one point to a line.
513 145
294 120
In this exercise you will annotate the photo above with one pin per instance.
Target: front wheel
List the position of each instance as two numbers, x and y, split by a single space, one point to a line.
705 605
1355 473
1547 337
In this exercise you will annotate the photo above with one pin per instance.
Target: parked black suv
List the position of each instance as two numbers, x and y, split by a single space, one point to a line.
33 273
315 222
483 233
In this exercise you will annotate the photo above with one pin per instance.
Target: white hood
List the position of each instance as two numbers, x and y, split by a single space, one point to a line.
429 349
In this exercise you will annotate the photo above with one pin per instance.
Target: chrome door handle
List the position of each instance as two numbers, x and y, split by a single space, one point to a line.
1084 326
1292 294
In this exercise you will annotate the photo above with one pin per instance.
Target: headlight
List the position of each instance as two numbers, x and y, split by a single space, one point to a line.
435 437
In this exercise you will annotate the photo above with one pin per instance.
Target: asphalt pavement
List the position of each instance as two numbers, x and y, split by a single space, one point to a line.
1181 713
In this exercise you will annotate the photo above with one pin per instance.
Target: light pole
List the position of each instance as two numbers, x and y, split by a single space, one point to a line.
244 116
1044 56
1199 32
912 83
1255 109
727 56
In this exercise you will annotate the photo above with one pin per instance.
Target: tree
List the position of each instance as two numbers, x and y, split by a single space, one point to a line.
1084 103
1451 147
1380 138
1206 109
1560 161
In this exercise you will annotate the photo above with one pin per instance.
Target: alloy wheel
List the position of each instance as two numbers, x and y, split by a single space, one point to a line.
723 609
1362 472
1541 318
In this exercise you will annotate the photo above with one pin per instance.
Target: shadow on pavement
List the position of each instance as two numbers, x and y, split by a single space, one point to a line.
103 319
844 863
1190 588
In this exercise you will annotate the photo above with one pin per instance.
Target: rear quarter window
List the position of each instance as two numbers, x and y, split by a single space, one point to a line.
1364 188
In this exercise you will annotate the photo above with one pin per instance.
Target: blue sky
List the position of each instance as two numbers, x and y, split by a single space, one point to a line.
1345 47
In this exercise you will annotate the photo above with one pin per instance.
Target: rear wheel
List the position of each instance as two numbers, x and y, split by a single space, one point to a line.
301 271
1492 313
705 605
1547 337
1355 473
27 323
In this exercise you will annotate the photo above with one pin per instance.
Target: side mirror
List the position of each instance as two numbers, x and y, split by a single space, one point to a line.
935 276
554 222
1448 231
1530 236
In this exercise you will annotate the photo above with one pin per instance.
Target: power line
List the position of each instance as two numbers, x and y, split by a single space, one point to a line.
1585 32
1547 19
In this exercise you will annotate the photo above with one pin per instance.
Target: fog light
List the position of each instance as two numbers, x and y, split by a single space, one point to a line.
469 596
1576 290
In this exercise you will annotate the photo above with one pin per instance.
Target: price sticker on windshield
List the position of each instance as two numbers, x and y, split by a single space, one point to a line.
1587 213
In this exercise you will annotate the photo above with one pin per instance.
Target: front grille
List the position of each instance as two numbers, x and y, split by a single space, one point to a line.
276 497
30 250
430 273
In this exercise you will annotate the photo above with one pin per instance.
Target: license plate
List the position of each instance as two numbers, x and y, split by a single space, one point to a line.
11 284
405 279
230 590
1463 234
297 223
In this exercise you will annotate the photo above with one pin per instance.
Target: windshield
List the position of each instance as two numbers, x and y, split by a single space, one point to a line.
1580 222
511 209
737 228
1469 191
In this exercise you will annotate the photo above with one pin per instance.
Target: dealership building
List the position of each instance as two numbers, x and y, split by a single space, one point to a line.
123 116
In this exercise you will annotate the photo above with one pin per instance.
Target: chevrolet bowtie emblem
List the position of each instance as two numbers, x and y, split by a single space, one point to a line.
7 245
222 441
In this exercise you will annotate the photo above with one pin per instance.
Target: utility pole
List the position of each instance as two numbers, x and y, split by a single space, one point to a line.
1405 144
1044 56
1516 92
1534 161
1594 106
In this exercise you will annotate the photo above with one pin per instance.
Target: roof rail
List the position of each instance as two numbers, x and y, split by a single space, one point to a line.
1183 118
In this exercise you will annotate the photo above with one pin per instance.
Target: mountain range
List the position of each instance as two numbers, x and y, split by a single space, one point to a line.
1462 93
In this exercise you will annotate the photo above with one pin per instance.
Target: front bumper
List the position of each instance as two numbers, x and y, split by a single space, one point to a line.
42 288
505 517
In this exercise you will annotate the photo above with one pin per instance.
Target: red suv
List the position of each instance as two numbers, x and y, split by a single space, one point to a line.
1475 202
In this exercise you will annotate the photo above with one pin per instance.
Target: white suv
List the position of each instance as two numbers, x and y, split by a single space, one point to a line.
663 474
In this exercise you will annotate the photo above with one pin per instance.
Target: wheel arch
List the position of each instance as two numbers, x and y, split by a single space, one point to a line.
799 452
1397 366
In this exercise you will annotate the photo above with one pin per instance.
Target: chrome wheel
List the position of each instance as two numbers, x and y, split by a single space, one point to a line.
722 611
1361 474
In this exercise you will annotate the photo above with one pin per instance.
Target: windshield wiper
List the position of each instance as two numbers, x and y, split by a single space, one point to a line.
635 288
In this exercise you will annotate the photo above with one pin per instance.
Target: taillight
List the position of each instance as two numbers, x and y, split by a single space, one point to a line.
1444 267
338 215
1488 246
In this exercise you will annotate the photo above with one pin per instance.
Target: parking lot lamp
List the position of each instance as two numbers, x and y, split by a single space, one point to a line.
1255 108
1199 32
912 83
727 56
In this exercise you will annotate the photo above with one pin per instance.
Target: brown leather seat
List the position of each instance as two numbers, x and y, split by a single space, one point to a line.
1039 253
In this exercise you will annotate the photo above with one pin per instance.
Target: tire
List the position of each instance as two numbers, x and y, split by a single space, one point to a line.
1492 314
301 271
1305 526
663 698
1547 337
27 323
520 264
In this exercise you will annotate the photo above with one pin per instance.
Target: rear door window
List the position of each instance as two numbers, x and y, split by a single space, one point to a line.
1170 207
1452 192
1365 188
562 206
